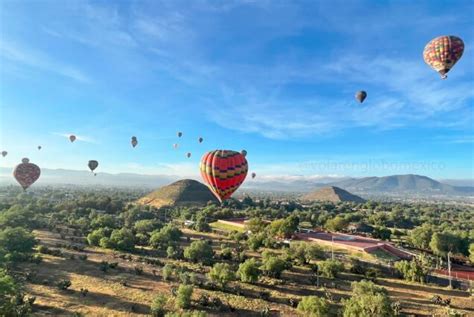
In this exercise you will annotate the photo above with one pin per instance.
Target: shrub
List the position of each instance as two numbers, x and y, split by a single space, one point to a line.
157 308
249 271
221 273
199 251
64 284
330 268
313 306
183 296
368 300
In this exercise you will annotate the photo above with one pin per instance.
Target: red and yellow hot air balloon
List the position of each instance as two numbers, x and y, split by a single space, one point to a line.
223 171
442 53
26 173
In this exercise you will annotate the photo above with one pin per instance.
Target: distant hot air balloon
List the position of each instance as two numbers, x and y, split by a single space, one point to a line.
93 165
175 145
223 171
134 141
253 175
95 174
180 134
4 153
442 53
360 96
244 153
26 173
188 155
200 140
39 147
72 138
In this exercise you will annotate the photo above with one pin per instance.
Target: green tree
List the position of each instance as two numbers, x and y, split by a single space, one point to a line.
368 300
337 223
284 228
120 239
255 225
420 237
95 236
199 251
157 308
146 226
381 233
330 268
442 243
166 236
249 271
183 296
412 271
103 221
304 252
272 265
221 273
313 306
16 243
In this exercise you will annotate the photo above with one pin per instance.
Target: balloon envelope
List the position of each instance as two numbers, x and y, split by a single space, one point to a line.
360 96
39 147
4 153
223 171
443 52
244 153
175 145
93 165
200 140
180 134
26 173
72 138
253 175
188 155
134 141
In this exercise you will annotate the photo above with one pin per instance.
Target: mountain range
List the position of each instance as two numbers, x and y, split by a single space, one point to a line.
388 185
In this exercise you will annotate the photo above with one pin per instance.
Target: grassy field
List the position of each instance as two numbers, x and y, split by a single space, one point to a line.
226 227
121 292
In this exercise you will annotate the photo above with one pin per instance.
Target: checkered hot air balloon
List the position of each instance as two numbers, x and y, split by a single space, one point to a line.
443 52
26 173
223 171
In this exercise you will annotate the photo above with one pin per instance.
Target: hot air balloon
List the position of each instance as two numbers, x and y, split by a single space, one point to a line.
244 153
26 173
253 175
200 140
360 96
223 171
95 174
180 134
188 155
93 165
442 53
134 141
175 145
72 138
39 147
4 153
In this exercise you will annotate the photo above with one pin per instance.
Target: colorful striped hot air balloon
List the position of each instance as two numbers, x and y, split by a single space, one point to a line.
223 171
26 173
443 52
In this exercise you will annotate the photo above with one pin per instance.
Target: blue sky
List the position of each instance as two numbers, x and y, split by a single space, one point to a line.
276 78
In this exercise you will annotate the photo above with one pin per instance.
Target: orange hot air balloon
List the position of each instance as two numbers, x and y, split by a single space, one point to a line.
188 155
93 165
223 171
244 153
360 96
253 175
26 173
200 140
72 138
134 141
4 153
442 53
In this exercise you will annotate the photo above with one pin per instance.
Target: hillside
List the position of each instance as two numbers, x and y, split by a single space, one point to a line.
333 194
186 192
414 184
